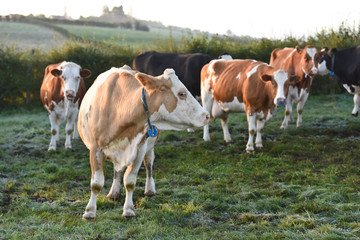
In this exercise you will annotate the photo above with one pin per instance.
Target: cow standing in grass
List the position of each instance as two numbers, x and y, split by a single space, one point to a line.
118 120
346 65
302 63
246 86
61 93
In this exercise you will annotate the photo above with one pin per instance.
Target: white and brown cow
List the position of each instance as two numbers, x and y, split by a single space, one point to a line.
302 63
114 119
246 86
61 93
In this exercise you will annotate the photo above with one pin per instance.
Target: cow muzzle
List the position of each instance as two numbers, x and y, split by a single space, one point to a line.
281 102
314 72
70 95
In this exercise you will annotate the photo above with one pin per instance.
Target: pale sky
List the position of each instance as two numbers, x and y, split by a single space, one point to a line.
257 18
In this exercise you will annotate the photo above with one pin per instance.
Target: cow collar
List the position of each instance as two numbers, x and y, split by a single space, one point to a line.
152 132
332 65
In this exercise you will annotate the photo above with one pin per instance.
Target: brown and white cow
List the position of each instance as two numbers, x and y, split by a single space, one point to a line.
113 123
302 63
61 93
246 86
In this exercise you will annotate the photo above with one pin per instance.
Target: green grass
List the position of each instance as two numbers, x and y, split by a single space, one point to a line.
304 184
122 36
28 36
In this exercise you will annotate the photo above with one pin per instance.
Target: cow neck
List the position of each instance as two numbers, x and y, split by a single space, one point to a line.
332 64
152 132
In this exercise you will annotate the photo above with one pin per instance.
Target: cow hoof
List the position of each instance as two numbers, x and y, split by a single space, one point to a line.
89 215
68 146
114 196
149 193
52 148
128 214
250 150
229 140
355 114
260 147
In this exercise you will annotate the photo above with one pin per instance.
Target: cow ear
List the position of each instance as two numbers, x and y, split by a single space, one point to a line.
56 72
266 77
150 83
85 73
294 79
298 49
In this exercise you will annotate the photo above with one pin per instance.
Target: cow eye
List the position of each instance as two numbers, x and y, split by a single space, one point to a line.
182 95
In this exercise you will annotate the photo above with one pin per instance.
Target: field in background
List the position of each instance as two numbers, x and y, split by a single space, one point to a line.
304 184
28 36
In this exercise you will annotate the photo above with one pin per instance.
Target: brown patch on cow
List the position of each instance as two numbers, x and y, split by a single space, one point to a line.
53 132
69 131
261 130
300 111
287 112
96 188
252 132
130 187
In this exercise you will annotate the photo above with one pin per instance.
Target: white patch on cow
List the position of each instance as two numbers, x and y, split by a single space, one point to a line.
322 68
280 78
357 89
312 52
252 71
71 76
226 57
238 76
234 106
187 113
122 152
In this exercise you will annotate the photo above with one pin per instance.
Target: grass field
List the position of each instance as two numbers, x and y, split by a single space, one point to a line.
28 36
122 36
304 184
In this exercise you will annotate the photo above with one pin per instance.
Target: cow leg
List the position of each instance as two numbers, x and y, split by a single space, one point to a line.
225 127
150 183
251 118
130 182
356 105
260 129
68 129
97 181
288 113
55 126
207 101
75 132
115 190
300 107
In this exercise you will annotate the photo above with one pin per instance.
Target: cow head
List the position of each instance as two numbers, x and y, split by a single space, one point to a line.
325 60
70 73
307 62
280 81
174 106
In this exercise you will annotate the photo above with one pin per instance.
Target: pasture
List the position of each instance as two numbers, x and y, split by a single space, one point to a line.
304 184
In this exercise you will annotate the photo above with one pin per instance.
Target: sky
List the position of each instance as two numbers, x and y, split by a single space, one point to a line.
255 18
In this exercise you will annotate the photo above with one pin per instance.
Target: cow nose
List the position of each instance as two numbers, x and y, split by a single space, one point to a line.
70 94
281 102
314 71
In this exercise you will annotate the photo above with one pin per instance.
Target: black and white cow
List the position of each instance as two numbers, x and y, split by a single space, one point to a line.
187 66
346 65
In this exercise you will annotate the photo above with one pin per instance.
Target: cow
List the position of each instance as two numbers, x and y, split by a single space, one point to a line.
346 65
61 93
119 120
186 65
302 63
248 86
